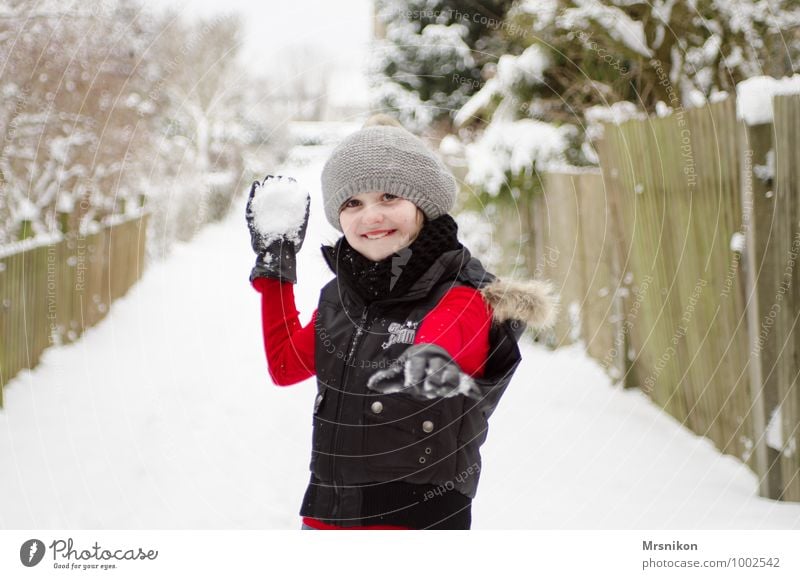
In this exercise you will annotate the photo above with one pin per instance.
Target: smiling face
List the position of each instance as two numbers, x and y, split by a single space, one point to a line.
378 224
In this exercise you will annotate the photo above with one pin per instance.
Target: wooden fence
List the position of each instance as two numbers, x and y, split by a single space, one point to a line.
676 264
576 248
771 164
51 293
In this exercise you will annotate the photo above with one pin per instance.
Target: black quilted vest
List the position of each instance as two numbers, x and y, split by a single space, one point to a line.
365 442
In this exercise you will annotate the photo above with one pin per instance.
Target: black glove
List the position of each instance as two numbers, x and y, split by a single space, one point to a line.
425 371
276 256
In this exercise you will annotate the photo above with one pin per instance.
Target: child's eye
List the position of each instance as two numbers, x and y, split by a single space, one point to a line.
351 203
389 197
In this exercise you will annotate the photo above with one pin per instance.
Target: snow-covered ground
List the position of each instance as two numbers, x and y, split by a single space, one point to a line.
164 416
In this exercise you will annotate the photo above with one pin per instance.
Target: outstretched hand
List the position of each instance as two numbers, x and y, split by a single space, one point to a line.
425 371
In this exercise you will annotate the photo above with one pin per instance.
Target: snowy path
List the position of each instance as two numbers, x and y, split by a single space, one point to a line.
163 416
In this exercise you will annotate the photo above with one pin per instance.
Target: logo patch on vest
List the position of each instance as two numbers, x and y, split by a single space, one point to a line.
401 333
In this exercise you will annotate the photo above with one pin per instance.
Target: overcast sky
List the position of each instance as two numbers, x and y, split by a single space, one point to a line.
339 30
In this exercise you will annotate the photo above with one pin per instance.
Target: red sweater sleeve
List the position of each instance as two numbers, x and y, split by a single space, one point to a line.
460 324
289 345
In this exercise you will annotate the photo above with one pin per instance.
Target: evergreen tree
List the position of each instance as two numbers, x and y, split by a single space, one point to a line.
430 55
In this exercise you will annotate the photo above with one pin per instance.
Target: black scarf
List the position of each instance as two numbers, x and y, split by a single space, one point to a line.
394 275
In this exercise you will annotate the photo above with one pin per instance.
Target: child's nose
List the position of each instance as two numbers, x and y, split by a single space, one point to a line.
373 213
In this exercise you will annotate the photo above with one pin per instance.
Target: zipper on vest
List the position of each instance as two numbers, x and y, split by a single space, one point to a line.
351 351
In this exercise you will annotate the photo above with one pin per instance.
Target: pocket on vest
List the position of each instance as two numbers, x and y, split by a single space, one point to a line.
407 437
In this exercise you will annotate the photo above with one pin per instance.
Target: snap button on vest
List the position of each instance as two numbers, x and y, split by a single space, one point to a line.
427 426
377 407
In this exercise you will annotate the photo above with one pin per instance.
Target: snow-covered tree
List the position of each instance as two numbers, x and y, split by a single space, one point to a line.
575 63
614 50
193 169
429 56
110 106
69 117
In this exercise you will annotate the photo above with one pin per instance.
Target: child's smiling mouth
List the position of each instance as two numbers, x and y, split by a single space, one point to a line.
378 234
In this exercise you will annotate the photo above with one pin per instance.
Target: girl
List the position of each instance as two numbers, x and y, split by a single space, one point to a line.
413 342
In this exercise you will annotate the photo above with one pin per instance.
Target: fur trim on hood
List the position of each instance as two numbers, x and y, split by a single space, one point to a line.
533 302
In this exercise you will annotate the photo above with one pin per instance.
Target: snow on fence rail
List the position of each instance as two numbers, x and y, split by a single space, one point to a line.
677 267
50 293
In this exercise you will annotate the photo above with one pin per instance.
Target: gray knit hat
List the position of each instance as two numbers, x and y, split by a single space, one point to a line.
391 160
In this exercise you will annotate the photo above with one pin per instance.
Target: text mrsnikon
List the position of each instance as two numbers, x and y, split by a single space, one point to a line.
673 546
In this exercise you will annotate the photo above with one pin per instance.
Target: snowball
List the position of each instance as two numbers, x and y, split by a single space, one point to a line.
754 96
279 209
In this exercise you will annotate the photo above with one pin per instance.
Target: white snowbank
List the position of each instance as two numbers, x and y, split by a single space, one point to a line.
146 422
279 208
754 96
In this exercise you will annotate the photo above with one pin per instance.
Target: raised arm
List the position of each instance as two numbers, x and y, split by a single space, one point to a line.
289 346
277 217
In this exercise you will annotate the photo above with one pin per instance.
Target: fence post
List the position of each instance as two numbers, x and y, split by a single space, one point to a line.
767 221
783 434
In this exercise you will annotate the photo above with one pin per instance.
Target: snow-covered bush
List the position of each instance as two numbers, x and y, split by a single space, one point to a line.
70 113
428 57
111 107
577 61
677 53
507 150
